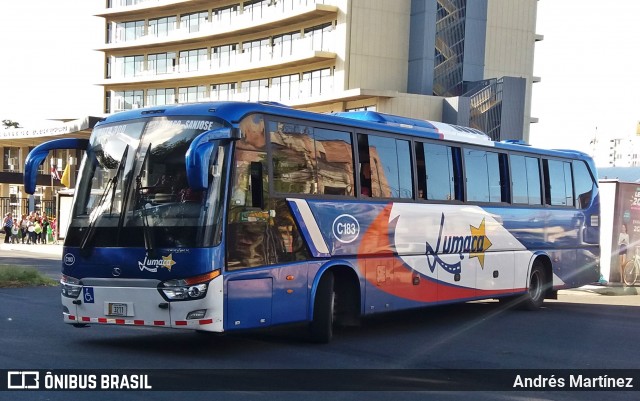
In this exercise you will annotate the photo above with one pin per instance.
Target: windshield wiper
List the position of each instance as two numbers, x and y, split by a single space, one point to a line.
147 231
97 211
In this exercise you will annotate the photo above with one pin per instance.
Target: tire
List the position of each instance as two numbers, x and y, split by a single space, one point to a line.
630 273
321 327
534 297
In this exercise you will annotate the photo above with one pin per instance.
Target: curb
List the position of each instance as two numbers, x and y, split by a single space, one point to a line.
48 249
605 290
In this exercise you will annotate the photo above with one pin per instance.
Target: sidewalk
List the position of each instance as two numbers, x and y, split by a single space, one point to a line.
610 289
49 249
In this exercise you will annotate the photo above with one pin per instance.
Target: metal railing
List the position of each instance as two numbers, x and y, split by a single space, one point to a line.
21 206
486 107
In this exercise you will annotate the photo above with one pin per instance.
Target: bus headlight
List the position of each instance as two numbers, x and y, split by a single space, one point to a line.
188 288
71 287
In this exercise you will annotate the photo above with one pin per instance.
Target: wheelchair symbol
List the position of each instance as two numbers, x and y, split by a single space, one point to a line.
88 295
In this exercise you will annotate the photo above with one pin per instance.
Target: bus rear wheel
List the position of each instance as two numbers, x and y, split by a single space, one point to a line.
321 327
534 297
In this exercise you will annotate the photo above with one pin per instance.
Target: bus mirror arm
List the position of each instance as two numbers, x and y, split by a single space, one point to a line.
40 152
198 157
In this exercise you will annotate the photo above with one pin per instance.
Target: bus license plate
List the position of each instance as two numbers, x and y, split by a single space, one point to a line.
117 309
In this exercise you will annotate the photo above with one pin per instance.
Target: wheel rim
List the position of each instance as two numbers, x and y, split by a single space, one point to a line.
630 274
535 286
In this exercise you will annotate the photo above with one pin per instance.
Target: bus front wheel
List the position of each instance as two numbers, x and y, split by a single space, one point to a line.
534 297
321 327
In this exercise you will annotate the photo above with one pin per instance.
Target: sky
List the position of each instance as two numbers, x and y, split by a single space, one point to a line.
37 40
589 63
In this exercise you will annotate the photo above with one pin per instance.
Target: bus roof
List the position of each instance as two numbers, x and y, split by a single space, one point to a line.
234 112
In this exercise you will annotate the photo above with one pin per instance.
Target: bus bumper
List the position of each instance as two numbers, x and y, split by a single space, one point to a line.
144 306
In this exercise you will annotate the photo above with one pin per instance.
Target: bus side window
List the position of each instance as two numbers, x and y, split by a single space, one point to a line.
390 165
484 175
525 180
334 158
558 183
438 175
583 183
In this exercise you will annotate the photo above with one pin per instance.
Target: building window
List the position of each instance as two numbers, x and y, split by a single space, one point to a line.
160 97
129 66
285 87
257 50
315 83
194 22
161 27
222 56
222 91
161 63
193 60
192 94
255 8
225 14
257 89
127 100
128 31
283 44
364 108
11 159
107 102
320 39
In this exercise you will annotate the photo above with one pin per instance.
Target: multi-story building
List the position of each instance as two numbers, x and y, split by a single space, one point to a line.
617 152
466 62
16 143
458 61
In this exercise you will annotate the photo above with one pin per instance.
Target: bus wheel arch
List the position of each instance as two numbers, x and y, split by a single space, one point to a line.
337 301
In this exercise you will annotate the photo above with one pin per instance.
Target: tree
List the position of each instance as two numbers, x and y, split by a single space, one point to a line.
11 124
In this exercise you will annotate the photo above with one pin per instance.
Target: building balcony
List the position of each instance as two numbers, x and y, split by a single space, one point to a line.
120 8
277 17
224 69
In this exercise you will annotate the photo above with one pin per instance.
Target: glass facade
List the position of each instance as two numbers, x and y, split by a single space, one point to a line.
449 49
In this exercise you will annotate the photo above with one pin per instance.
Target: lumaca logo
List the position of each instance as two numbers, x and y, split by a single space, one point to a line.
475 245
152 265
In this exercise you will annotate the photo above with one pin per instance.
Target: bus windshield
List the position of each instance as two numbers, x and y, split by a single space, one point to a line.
133 189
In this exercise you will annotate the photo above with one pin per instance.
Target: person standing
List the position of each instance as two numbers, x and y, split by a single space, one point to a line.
37 228
7 225
15 232
30 231
24 223
45 230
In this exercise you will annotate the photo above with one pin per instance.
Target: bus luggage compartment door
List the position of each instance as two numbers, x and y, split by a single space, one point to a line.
249 303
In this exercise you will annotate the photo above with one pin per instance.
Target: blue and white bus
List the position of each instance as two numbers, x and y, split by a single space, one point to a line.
230 216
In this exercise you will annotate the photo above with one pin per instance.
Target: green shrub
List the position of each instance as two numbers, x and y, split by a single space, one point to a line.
16 276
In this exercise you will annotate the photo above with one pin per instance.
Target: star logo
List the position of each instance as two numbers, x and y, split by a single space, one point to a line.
480 232
168 262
